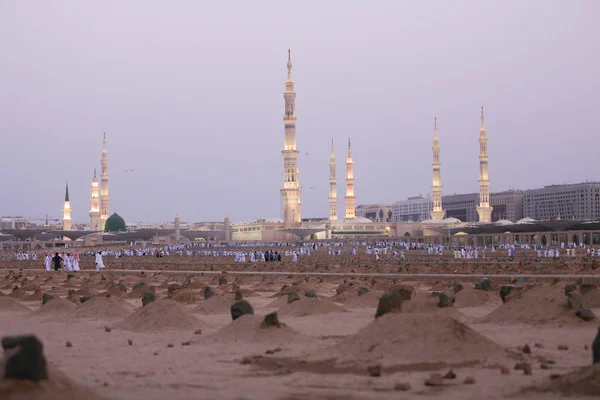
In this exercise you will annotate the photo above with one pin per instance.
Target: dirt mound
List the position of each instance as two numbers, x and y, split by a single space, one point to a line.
187 296
36 296
58 386
19 294
583 382
101 308
281 301
247 329
428 341
592 299
160 314
114 292
216 305
8 304
469 297
538 306
55 308
310 306
367 300
89 292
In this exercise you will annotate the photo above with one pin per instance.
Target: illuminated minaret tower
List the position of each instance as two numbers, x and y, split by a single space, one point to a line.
95 209
290 194
67 223
332 187
350 198
436 187
104 199
484 210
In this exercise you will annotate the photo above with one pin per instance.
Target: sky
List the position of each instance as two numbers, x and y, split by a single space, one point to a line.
190 95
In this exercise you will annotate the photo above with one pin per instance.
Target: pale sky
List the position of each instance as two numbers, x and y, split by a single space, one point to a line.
190 95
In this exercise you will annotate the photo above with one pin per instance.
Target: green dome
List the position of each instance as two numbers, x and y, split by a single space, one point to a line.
115 223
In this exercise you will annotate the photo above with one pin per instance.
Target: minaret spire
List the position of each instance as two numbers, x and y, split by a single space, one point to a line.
290 194
484 209
332 186
67 223
95 205
104 198
350 198
437 213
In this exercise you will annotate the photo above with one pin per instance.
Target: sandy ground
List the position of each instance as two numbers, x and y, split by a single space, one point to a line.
323 351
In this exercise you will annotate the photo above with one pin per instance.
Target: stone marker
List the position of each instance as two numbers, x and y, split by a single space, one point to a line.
585 314
241 308
570 288
46 298
27 361
596 349
389 302
208 293
292 297
148 297
83 299
310 293
445 299
506 290
484 285
575 300
271 320
362 290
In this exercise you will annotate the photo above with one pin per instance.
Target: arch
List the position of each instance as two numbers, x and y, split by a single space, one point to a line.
544 240
595 238
575 238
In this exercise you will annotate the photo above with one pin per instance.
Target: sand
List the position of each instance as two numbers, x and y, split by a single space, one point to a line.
310 306
101 308
247 329
401 339
55 308
161 314
581 382
8 304
542 304
322 356
216 305
367 300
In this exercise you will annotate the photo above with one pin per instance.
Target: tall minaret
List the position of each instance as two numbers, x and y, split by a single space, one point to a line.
350 198
290 194
436 188
484 210
67 223
104 199
95 209
332 187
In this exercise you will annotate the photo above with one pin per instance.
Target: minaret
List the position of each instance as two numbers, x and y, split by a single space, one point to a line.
332 187
484 210
436 188
104 199
290 194
67 223
177 229
227 228
350 198
95 209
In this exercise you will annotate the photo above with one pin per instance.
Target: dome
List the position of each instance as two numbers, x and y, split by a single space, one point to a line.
452 220
115 223
503 222
526 220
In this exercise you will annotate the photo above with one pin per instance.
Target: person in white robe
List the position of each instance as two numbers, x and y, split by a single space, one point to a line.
294 257
67 262
75 263
99 262
48 262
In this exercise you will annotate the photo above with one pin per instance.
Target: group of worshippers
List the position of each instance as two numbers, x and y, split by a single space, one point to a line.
23 255
69 261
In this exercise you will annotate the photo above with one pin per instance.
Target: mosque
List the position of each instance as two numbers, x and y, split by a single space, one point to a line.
293 227
438 229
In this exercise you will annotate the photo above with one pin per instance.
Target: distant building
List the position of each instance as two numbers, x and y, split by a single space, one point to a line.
14 223
413 209
375 212
506 205
580 201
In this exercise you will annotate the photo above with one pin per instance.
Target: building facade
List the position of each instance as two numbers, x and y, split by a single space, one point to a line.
14 223
580 201
375 212
413 209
